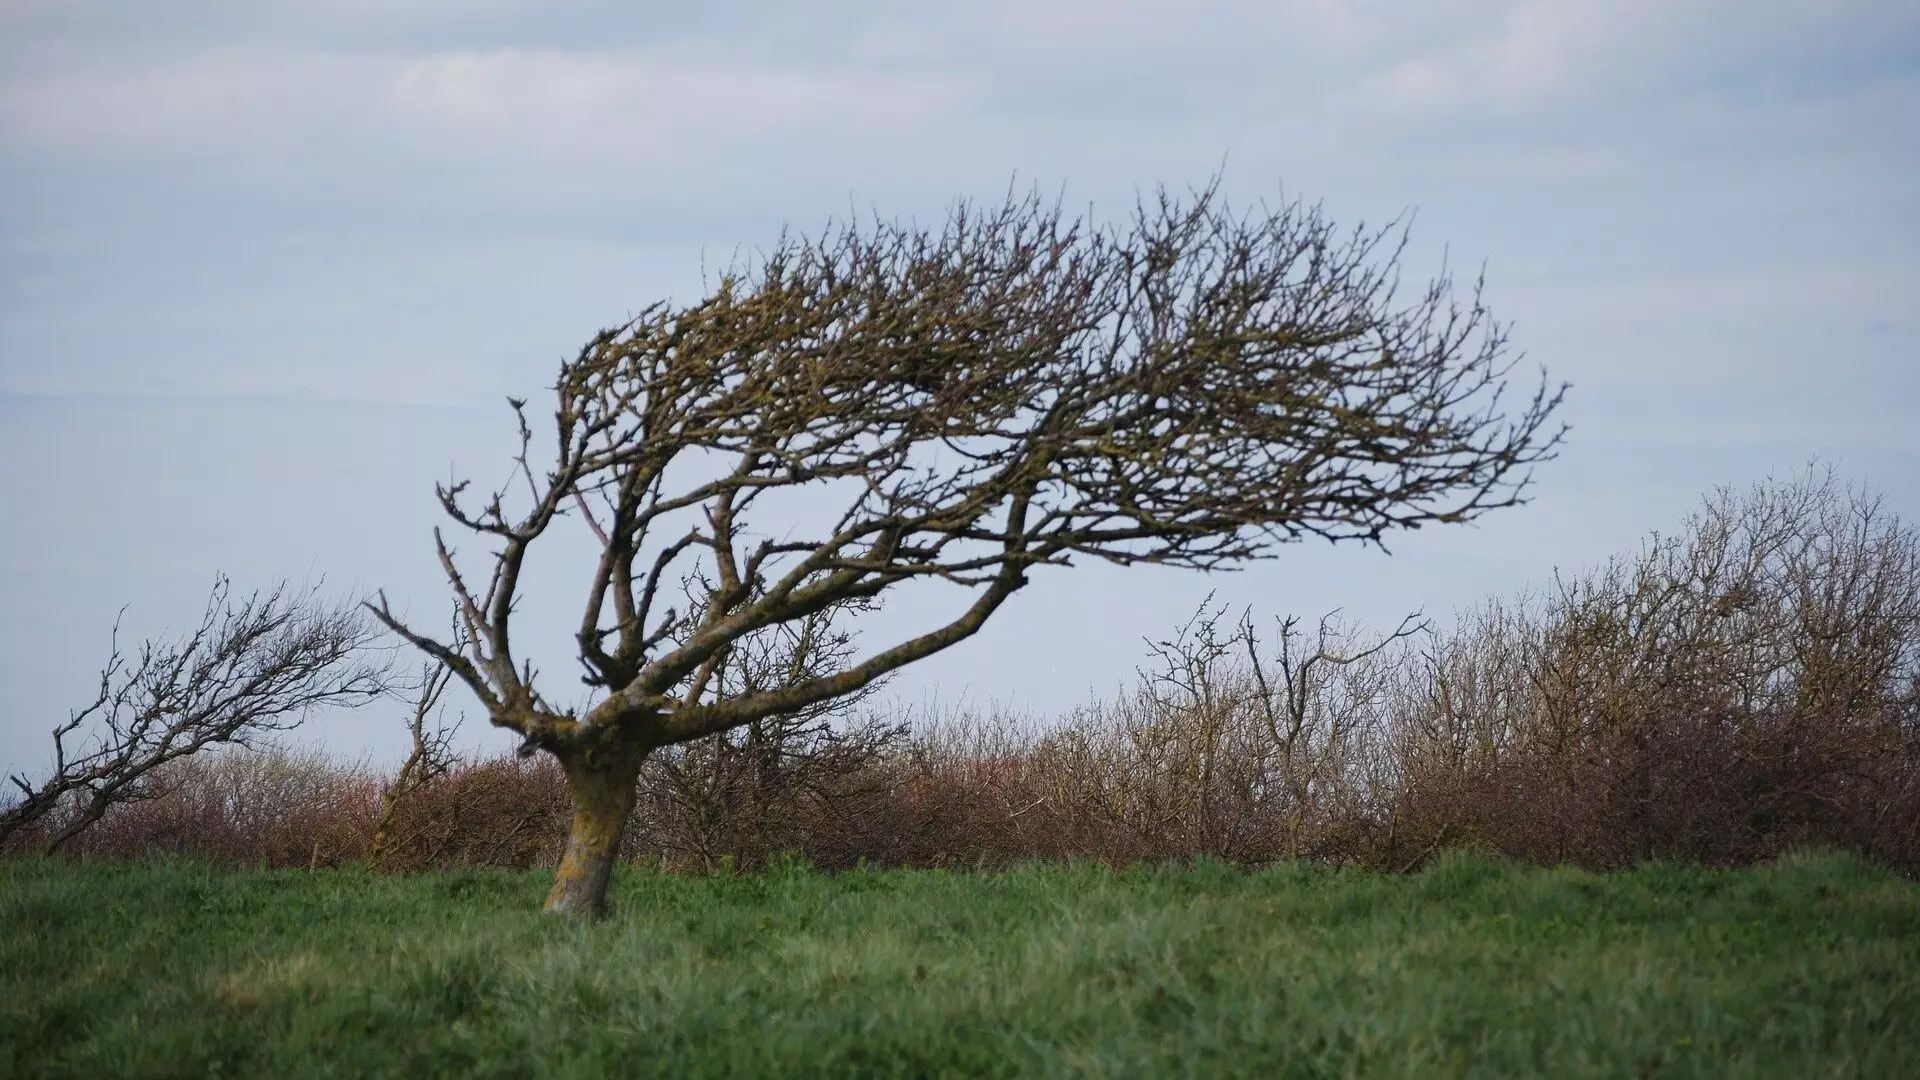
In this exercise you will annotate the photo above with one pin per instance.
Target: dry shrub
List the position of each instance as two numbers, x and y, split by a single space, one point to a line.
1744 687
507 811
808 781
806 784
966 789
1218 751
275 807
251 668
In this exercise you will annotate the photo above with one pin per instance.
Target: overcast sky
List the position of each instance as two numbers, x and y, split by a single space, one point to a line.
269 267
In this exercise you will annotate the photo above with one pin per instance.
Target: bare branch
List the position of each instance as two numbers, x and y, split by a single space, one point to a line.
251 667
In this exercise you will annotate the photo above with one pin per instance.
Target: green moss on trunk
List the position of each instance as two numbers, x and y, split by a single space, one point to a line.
601 784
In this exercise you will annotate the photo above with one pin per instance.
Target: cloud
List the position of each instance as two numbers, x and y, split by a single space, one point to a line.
1532 57
634 104
1078 25
646 104
117 104
1574 90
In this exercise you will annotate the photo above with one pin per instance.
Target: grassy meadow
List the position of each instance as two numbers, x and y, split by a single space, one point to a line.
1473 967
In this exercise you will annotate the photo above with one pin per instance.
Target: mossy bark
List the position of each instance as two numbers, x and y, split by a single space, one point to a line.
601 783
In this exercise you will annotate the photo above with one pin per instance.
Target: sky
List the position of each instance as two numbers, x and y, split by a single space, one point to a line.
269 268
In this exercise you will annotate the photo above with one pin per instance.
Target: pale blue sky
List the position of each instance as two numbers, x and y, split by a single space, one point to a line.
268 268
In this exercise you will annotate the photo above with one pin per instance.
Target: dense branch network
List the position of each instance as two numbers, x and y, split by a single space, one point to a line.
251 667
1007 389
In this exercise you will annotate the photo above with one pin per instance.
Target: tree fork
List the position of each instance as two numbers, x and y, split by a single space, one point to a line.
601 782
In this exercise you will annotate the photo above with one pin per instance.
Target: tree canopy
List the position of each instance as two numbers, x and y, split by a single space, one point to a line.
1008 389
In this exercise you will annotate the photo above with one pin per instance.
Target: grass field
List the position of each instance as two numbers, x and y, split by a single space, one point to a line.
1474 967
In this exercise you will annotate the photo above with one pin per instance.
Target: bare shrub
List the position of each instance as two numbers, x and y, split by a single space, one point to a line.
275 807
1739 688
507 811
252 667
782 782
429 757
1219 750
785 784
971 788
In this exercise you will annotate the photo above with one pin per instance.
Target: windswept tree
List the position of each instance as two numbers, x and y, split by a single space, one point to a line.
964 402
253 667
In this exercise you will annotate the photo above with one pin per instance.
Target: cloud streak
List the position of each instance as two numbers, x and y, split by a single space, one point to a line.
616 105
1367 77
644 105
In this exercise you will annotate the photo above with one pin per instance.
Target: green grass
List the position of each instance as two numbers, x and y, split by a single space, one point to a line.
1474 968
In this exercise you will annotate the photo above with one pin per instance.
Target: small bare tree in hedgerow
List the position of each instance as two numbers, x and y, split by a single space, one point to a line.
966 403
253 667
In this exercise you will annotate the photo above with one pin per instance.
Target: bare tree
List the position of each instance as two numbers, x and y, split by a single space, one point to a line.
1254 749
251 667
964 403
429 758
1312 712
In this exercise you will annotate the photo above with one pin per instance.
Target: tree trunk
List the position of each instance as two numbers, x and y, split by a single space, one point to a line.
601 783
380 852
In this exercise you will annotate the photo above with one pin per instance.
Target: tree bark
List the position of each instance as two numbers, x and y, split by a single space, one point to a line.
601 783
